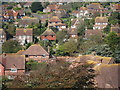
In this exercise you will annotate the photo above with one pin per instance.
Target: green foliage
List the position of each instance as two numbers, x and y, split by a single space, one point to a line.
32 65
89 23
117 54
10 7
70 47
81 28
112 40
114 18
36 6
11 46
61 36
17 8
106 29
11 30
102 50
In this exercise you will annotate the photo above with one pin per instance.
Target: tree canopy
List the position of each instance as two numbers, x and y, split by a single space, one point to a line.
36 6
11 46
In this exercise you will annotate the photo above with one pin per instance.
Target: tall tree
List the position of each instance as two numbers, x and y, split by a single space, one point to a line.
11 46
36 6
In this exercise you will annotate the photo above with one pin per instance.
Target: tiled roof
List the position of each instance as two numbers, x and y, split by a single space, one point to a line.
2 31
48 32
35 49
89 33
116 6
72 31
55 19
83 8
13 60
101 20
24 31
94 6
53 6
115 29
105 81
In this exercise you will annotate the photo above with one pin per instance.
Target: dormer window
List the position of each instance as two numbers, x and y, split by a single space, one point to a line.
43 55
13 70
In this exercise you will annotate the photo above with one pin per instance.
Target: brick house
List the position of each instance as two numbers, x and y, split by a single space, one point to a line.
26 21
36 52
115 7
10 14
2 36
28 4
73 33
51 8
74 23
100 23
12 65
94 7
83 11
115 29
24 35
56 22
75 13
90 32
61 13
48 35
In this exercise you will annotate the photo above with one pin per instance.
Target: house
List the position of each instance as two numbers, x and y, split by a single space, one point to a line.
115 7
24 35
74 23
51 8
83 11
56 22
61 13
28 4
21 13
26 21
36 52
115 29
94 7
73 33
89 33
2 36
75 13
48 35
12 65
103 80
10 14
100 23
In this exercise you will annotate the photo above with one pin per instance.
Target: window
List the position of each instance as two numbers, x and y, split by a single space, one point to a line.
13 70
43 55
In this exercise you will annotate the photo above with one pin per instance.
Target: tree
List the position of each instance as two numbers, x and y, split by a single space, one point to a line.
107 29
117 54
56 76
70 47
11 30
61 36
11 46
101 50
36 6
112 40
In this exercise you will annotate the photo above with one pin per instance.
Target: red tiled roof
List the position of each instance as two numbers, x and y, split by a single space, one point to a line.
54 19
13 60
83 8
23 31
48 32
53 6
35 49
